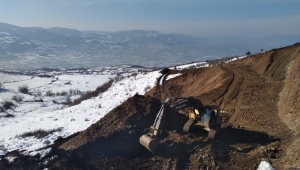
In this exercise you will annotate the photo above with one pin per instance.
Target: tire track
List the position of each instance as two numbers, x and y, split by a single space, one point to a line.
160 91
228 97
226 90
157 89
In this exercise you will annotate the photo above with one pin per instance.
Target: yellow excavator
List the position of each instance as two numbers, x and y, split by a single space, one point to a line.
208 118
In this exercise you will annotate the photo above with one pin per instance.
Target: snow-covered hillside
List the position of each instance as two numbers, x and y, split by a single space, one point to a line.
48 115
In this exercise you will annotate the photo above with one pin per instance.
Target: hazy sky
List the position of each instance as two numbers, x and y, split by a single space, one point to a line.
193 17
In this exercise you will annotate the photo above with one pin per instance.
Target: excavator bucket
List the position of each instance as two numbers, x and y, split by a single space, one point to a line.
149 142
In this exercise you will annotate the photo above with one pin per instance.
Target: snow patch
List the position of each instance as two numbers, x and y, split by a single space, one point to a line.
10 159
192 65
264 165
236 58
173 76
42 153
3 152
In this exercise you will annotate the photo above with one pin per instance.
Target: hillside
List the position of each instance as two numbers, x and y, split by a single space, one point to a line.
261 91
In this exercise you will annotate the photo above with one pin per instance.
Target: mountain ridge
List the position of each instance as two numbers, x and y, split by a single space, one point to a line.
37 47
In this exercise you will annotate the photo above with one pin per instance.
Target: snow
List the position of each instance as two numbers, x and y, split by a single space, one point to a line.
2 151
10 159
6 38
195 65
42 153
8 78
35 116
173 76
55 84
264 165
5 33
236 58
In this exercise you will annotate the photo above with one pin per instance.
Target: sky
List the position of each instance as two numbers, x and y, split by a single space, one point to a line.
192 17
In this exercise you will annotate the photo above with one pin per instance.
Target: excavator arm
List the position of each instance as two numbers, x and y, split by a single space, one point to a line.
164 108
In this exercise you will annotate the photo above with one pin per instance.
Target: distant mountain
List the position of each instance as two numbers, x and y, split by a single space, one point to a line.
65 31
36 47
14 39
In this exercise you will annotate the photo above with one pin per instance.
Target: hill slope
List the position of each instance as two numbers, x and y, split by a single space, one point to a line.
262 92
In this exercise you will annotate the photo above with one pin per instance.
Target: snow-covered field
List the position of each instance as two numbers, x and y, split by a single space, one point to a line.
55 84
41 112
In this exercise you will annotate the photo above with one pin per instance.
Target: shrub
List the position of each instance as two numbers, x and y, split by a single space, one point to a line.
70 91
104 87
63 93
18 98
23 89
39 133
45 75
90 94
49 93
68 100
147 88
76 92
134 74
73 92
38 100
9 115
7 105
39 93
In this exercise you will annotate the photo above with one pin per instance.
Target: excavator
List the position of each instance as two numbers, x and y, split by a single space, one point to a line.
208 118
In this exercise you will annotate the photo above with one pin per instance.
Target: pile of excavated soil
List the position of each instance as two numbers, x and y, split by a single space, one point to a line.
261 92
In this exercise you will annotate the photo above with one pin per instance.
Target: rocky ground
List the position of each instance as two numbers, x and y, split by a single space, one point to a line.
261 92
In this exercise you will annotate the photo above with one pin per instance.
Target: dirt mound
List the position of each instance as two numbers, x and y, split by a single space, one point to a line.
261 91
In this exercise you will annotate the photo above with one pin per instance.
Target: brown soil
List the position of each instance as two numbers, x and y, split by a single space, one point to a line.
261 91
